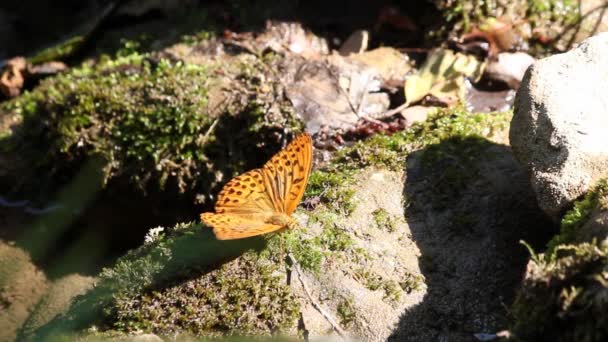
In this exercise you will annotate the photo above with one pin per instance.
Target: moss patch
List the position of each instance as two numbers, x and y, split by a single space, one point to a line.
562 296
243 297
149 119
184 251
347 312
445 124
384 220
562 299
332 187
575 218
21 286
543 16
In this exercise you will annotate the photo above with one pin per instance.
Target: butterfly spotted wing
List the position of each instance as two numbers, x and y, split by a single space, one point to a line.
248 201
286 174
228 227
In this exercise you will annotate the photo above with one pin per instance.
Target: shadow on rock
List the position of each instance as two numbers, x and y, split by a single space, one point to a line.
470 204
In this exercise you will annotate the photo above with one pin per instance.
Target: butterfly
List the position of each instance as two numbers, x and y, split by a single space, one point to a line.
262 200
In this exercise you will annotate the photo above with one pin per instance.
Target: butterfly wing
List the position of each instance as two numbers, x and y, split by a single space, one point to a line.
247 200
286 174
245 195
228 227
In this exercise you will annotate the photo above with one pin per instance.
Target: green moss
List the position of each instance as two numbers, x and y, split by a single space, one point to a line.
184 251
333 237
346 311
370 280
562 299
307 251
562 295
58 52
574 219
148 119
411 282
243 297
560 11
143 118
332 186
445 124
384 220
392 289
463 15
311 252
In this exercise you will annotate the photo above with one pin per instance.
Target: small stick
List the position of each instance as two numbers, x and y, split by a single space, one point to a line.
394 110
314 303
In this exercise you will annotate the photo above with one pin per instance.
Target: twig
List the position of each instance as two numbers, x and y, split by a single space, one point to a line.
204 138
394 110
314 303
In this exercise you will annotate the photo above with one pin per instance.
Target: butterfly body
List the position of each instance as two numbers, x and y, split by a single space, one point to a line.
262 200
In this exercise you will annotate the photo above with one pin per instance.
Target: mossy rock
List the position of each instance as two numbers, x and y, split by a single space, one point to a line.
156 121
561 298
355 251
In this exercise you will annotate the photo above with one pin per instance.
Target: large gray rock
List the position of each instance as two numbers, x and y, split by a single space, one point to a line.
559 129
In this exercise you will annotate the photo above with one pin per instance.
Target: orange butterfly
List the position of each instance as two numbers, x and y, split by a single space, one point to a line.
261 200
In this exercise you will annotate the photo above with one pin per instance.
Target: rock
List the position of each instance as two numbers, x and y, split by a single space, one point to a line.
355 43
596 228
416 114
56 300
509 68
565 288
560 122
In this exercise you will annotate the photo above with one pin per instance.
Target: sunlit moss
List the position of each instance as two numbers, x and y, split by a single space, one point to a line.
384 220
243 297
574 219
334 187
172 284
445 124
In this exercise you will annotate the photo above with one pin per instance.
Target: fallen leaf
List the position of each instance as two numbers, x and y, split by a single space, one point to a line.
442 76
335 92
390 63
